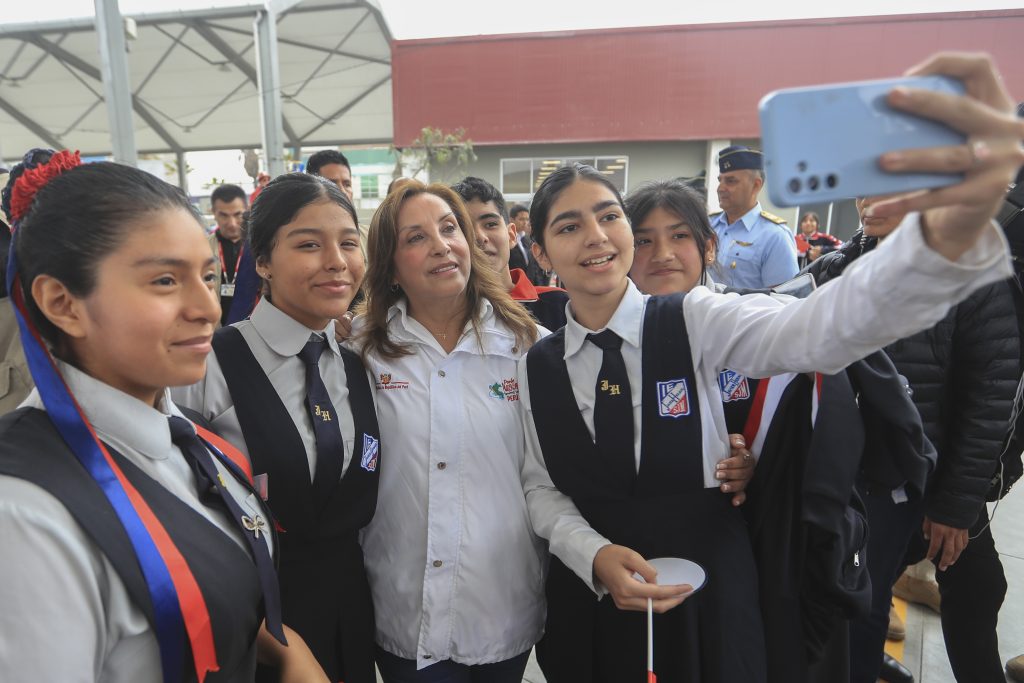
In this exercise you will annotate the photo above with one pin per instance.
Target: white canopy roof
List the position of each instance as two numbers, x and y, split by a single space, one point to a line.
193 77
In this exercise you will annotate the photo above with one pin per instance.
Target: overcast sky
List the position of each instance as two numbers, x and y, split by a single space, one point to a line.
438 18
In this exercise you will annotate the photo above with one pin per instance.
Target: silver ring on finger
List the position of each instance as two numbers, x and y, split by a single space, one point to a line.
979 151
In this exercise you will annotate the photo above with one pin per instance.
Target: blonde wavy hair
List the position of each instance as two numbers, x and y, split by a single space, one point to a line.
483 283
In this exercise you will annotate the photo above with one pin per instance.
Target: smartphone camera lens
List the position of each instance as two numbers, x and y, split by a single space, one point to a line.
812 183
831 180
794 185
801 166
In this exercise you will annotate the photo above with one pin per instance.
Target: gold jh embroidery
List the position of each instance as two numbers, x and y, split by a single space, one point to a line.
254 524
612 389
324 415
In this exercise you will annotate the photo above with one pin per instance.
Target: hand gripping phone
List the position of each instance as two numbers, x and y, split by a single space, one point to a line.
822 143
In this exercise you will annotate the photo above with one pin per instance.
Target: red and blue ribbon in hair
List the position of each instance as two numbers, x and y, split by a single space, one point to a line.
178 605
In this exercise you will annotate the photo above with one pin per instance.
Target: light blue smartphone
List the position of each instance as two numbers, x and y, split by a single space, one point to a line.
822 143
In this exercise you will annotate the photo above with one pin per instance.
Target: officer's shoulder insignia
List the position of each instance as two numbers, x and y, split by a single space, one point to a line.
773 218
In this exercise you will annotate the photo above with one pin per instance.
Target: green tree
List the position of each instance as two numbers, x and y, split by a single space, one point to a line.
442 155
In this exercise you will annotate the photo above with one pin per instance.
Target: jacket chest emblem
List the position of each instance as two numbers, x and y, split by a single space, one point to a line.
733 385
673 398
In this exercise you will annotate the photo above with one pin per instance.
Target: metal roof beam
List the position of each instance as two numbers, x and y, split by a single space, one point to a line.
19 116
221 46
351 103
88 69
309 46
32 28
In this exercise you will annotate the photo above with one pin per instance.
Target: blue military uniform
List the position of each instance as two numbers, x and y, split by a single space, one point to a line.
757 250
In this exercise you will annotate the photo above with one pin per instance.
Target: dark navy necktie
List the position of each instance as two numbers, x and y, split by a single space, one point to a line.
613 407
208 479
330 449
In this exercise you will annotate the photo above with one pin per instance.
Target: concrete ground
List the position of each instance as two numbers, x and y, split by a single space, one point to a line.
924 652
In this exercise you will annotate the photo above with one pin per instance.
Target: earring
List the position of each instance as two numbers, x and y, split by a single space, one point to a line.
395 288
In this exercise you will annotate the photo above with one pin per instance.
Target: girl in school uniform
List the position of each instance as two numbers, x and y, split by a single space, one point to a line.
135 547
455 569
623 411
299 406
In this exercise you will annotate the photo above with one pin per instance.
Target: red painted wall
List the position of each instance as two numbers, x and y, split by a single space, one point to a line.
665 83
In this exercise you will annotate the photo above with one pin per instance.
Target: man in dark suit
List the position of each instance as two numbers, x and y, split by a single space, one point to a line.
521 255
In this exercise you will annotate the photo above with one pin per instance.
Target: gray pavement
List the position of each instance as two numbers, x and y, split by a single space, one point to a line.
924 650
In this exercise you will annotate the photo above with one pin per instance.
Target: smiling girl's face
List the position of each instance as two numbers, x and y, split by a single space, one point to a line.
587 241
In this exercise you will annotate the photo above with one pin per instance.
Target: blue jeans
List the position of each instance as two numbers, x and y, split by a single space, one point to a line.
394 669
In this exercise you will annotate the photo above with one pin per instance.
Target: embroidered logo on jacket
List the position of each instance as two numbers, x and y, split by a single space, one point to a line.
371 453
385 381
733 385
673 398
505 390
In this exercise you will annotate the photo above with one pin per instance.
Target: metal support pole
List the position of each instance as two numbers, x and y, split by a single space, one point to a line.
182 172
269 86
116 86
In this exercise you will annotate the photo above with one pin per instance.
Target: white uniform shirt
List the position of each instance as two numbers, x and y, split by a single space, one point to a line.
455 569
902 287
66 615
275 339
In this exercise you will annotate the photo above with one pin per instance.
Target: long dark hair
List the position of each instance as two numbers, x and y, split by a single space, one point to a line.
682 200
80 217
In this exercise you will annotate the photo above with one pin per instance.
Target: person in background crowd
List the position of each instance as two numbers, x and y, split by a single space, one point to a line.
962 375
496 237
589 444
15 378
332 165
228 203
300 408
521 256
262 179
756 248
130 538
810 244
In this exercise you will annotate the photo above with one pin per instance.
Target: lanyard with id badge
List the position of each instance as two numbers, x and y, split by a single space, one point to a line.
227 286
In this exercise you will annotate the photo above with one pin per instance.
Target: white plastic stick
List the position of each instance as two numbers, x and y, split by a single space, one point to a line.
650 636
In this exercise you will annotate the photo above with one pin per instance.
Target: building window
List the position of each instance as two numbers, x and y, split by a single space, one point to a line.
369 186
520 178
517 176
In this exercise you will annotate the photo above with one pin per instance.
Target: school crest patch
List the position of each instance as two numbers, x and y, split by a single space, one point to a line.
371 453
734 386
673 398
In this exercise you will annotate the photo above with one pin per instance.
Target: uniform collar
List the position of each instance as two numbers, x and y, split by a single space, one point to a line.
282 333
124 422
522 288
625 322
747 220
496 338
